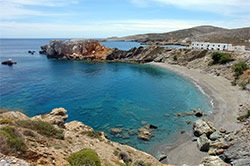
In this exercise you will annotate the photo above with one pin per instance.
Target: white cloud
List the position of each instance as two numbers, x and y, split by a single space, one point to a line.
14 9
103 29
225 7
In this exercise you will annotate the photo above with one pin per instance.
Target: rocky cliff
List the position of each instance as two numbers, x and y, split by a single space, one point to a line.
77 49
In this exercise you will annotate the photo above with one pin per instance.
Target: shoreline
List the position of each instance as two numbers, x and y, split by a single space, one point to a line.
225 100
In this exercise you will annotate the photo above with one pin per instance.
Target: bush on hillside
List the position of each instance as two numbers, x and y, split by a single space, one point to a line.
43 128
244 116
6 121
11 141
86 157
221 58
239 68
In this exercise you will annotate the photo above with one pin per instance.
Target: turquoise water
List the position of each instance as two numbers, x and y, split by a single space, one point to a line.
101 95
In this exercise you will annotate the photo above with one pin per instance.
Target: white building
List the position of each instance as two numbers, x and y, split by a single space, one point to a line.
216 46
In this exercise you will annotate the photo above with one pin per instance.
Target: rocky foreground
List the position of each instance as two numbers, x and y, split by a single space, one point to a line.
48 140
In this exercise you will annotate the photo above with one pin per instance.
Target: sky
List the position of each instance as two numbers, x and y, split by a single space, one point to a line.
108 18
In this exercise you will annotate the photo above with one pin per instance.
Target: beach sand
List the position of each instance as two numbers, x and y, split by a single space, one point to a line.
226 100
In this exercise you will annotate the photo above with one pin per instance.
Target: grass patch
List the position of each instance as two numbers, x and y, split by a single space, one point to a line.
43 128
86 157
57 146
141 163
6 121
10 140
116 152
175 58
220 58
3 111
93 134
239 69
244 116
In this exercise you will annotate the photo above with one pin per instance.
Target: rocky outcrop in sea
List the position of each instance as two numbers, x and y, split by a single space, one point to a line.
77 49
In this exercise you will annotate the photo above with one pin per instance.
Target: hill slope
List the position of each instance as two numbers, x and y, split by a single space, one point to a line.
200 33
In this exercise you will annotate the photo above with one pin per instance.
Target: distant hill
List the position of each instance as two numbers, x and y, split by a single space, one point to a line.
200 33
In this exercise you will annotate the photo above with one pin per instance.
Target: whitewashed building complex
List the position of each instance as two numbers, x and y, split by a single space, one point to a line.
216 46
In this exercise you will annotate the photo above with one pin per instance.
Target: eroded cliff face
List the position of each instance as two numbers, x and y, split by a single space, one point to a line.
75 49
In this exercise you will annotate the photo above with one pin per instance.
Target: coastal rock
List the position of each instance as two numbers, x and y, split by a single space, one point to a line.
215 135
189 113
203 143
222 130
78 49
153 126
145 133
14 115
143 123
213 161
144 137
31 52
161 157
188 121
198 113
238 152
57 117
8 62
202 126
179 114
115 131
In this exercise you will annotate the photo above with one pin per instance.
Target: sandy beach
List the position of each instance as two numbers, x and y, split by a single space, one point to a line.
226 100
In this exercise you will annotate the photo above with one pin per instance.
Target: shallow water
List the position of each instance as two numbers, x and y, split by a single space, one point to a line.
101 95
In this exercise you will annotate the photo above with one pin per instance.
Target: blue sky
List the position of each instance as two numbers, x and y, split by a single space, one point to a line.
106 18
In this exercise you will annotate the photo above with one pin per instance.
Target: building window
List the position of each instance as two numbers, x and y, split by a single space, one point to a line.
192 44
201 44
213 45
224 46
201 47
208 45
197 44
218 45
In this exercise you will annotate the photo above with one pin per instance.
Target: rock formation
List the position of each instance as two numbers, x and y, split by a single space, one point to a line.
78 49
40 147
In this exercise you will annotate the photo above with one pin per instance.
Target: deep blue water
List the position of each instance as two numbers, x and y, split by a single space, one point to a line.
101 95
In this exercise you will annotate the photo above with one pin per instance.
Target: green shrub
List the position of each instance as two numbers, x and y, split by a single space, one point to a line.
244 116
220 58
233 83
9 137
116 152
86 157
43 128
243 85
95 134
175 58
239 68
141 163
57 146
6 121
3 111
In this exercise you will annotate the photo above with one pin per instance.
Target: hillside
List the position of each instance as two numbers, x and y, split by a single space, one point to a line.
200 33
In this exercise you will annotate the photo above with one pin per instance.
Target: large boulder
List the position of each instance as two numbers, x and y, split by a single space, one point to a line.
203 143
56 117
215 136
202 126
213 161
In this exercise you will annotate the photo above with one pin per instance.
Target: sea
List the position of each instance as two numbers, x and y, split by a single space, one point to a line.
101 95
